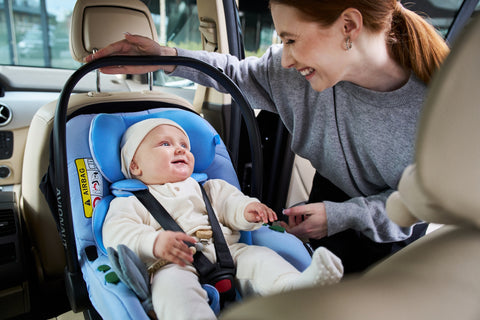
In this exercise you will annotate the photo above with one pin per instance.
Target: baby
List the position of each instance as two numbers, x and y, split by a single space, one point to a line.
157 152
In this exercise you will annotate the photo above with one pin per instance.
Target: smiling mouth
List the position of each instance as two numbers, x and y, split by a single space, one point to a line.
179 162
306 72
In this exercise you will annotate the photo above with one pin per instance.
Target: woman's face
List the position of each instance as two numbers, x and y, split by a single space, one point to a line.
317 52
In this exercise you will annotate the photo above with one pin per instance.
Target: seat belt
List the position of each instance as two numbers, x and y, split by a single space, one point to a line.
220 274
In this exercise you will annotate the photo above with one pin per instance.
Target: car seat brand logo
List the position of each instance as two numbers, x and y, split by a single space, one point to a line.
61 219
91 184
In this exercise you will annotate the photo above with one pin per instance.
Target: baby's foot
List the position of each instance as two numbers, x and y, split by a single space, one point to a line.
325 269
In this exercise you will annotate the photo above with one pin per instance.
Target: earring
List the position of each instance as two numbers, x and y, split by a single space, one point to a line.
348 44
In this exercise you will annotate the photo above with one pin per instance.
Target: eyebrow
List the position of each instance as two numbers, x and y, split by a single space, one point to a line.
284 34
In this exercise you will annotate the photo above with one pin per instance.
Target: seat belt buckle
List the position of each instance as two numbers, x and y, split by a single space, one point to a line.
224 285
226 288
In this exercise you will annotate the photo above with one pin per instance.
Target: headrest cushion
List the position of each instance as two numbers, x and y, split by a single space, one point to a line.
448 155
106 131
96 24
443 185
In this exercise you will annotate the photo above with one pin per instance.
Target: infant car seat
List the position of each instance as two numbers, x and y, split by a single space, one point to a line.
80 183
74 185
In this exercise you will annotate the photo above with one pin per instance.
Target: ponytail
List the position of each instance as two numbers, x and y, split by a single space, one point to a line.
415 44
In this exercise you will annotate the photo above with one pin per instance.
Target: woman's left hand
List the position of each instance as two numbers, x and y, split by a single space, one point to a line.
307 221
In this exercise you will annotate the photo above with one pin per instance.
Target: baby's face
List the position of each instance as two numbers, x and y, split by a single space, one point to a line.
163 156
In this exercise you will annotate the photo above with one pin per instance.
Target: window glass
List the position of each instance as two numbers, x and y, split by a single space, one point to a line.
60 14
4 47
257 26
259 32
28 33
35 33
440 13
178 26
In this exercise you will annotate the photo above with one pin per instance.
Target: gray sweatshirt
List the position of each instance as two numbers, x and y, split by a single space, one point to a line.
359 139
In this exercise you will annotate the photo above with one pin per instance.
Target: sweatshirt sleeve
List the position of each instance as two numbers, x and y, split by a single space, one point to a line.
128 222
252 74
229 204
366 215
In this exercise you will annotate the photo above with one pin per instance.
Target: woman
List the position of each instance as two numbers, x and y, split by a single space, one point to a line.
348 83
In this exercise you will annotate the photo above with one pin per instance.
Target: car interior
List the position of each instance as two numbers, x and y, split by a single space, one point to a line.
41 277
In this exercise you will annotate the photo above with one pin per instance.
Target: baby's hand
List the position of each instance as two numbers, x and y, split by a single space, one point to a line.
171 246
258 212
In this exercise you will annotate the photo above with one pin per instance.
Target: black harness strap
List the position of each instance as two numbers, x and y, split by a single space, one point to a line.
212 273
157 210
221 248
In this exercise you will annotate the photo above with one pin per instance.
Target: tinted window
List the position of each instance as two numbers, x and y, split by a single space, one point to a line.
440 13
259 33
178 26
35 33
257 26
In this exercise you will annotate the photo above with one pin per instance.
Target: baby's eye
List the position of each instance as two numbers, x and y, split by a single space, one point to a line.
289 41
184 145
164 143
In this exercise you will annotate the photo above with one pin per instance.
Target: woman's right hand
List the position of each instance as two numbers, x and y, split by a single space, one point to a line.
133 45
307 221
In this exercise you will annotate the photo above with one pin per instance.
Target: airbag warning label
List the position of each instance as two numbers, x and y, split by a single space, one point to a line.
90 184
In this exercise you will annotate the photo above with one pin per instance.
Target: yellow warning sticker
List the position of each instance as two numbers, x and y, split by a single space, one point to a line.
91 184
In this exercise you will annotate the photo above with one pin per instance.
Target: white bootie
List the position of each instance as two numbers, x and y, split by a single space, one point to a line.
325 269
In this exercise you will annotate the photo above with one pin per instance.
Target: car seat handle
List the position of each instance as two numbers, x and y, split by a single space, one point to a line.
59 134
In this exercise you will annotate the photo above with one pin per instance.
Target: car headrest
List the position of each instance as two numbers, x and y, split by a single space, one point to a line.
98 23
443 186
106 131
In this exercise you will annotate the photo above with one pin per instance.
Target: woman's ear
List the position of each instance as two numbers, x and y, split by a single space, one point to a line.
135 169
352 23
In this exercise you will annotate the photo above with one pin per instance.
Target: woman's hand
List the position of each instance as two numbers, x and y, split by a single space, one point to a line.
171 246
307 221
258 212
133 45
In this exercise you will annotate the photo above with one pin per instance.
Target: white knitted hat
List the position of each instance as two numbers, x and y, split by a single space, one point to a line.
134 135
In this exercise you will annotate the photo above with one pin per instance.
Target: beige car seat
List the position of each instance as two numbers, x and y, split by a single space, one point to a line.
437 277
93 26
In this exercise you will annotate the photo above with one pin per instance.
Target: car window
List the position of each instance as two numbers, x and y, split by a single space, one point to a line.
440 13
257 27
35 32
178 26
259 32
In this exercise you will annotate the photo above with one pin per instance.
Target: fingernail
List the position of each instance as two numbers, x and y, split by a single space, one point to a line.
127 33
